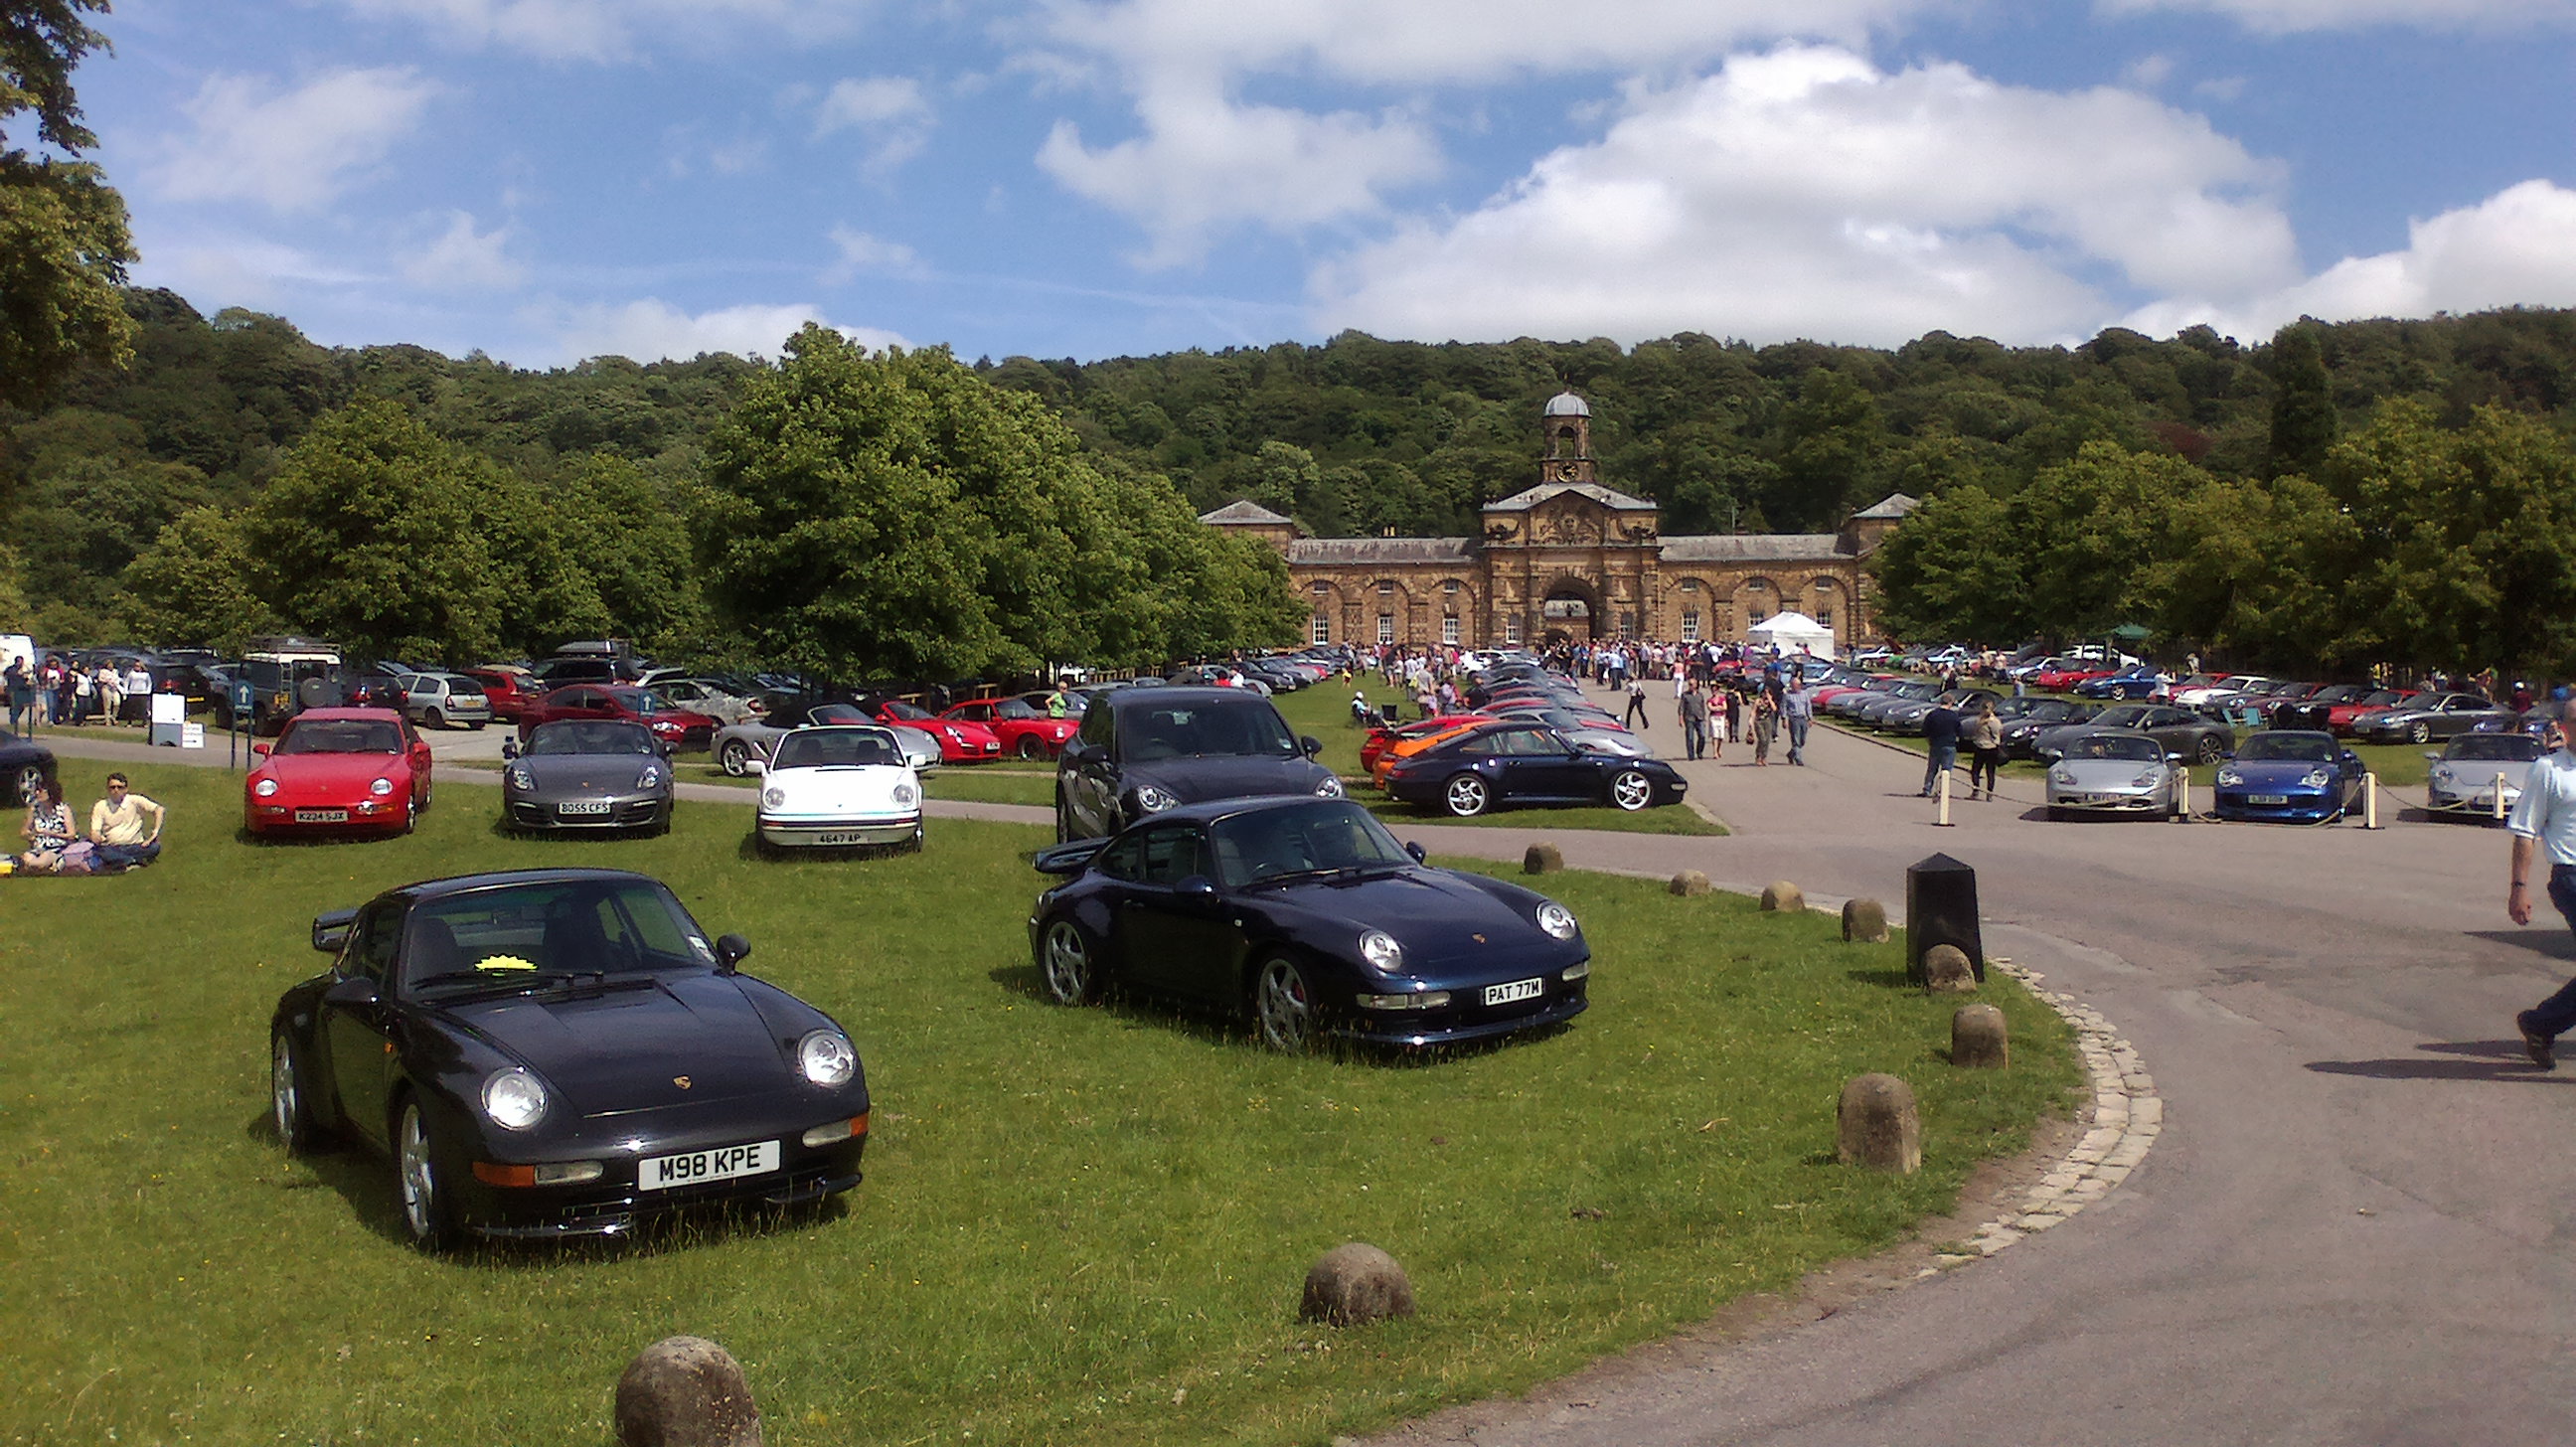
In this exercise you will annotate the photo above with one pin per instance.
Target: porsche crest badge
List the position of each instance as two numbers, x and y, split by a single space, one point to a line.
681 1081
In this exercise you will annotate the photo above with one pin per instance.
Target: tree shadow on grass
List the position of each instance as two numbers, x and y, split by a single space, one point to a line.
1892 979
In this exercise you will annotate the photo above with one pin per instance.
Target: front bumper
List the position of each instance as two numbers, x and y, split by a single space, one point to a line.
2301 808
2478 805
628 811
806 832
613 1205
1459 1024
265 816
2109 801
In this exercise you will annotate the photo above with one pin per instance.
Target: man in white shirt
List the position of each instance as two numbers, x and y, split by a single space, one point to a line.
2544 820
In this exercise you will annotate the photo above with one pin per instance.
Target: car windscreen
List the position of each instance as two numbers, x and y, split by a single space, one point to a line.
2117 746
1201 729
1297 839
2298 748
836 749
528 933
590 736
836 713
2122 718
903 710
2495 748
341 736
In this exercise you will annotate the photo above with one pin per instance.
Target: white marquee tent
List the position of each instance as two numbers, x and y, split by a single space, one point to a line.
1794 632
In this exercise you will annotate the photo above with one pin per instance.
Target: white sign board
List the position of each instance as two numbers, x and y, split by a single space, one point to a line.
192 736
169 708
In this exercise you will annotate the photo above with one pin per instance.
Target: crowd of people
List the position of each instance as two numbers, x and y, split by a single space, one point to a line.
124 832
72 695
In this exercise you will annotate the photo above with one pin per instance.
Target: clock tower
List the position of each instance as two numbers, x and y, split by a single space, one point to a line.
1569 441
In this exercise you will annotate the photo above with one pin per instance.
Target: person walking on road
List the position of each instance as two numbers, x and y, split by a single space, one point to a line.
1766 726
1635 717
22 696
1985 749
1798 710
2544 819
1694 710
1941 731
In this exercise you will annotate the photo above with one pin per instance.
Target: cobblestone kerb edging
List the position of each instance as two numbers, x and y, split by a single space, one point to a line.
2127 1115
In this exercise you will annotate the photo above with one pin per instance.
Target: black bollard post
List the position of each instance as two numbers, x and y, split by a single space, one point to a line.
1941 909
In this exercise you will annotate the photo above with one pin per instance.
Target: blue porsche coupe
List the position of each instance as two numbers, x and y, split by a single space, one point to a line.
2289 776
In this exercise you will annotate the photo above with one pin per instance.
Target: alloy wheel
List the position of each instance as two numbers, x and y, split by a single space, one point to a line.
737 759
1068 969
2210 749
1467 796
286 1104
31 777
424 1211
1284 1006
1632 791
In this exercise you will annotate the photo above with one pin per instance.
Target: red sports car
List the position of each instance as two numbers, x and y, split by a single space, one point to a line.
2347 718
338 770
626 702
1023 730
959 742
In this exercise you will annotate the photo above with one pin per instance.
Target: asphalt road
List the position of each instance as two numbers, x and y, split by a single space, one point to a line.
2353 1229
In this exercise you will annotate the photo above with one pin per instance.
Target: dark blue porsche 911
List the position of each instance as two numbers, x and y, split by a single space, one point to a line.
1306 915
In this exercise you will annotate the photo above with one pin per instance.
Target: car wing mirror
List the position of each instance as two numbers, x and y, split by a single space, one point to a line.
731 951
1196 886
1312 745
261 748
355 991
331 931
1414 848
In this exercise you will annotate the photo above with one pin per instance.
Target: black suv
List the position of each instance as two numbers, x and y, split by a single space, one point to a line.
1143 750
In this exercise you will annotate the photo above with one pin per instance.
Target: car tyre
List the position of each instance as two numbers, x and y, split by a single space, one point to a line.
1283 1006
477 725
2211 750
1465 796
426 1215
1032 747
411 813
289 1111
736 759
1068 966
1630 791
434 719
2419 732
30 778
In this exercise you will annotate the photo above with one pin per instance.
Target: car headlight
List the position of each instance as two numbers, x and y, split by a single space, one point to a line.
265 788
773 798
1381 951
826 1058
2061 776
2144 781
1154 800
520 778
2442 774
2316 779
651 778
954 736
906 795
381 787
514 1099
1329 788
2229 778
1556 919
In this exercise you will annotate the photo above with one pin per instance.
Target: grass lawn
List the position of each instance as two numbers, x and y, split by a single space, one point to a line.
1079 1226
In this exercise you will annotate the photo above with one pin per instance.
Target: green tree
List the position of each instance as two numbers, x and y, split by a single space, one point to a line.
2087 526
192 585
2304 421
1954 571
369 535
64 241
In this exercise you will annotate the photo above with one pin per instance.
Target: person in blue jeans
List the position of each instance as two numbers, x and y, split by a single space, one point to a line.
2544 818
1798 710
1941 731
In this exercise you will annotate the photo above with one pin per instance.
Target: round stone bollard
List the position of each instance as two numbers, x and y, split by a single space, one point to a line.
686 1391
1864 922
1977 1038
1946 971
1542 859
1876 1126
1690 882
1355 1284
1780 894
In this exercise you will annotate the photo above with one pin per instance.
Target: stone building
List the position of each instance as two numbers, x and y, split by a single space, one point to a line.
1570 559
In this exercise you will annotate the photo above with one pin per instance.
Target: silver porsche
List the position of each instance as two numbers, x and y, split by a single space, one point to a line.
2115 771
2466 776
587 776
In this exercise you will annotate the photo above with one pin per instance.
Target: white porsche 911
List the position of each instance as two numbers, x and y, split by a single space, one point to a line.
839 786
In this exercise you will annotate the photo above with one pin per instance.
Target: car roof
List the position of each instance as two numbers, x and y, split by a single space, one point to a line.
368 715
463 883
1215 809
1175 693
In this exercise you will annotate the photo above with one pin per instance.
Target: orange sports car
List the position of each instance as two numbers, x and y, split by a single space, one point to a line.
1435 731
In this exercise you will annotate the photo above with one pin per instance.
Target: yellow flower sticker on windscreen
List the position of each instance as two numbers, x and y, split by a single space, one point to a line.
504 962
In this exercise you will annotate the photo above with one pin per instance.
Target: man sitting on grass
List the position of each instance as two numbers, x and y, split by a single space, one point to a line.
116 826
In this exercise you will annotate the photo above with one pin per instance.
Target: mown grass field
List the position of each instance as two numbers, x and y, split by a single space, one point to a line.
1079 1226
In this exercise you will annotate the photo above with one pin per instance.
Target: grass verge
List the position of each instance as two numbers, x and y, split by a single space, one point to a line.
1079 1226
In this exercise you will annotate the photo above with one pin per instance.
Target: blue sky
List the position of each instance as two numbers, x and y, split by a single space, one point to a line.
545 180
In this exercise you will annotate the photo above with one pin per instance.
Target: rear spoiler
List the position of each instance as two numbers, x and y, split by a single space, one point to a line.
331 931
1066 859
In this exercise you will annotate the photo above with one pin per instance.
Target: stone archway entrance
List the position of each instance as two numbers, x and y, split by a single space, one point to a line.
1571 612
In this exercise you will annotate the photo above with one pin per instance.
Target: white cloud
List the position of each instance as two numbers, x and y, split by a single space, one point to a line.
463 259
292 150
2279 17
1804 192
861 252
1205 163
245 271
2518 247
653 329
890 111
609 30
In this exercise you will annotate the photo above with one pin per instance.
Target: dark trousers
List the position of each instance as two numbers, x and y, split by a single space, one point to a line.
126 856
2557 1014
1694 737
1982 768
1945 757
1636 713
